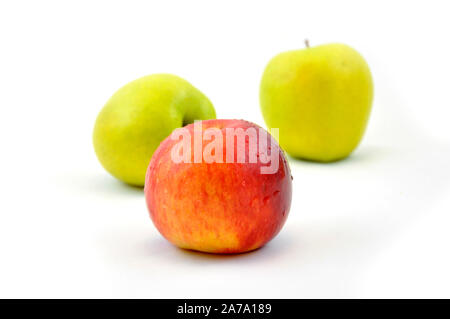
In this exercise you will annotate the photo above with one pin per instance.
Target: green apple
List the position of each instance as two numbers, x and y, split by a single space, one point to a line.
320 99
139 116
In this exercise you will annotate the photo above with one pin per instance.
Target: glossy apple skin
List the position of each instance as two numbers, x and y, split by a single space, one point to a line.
139 116
217 207
320 98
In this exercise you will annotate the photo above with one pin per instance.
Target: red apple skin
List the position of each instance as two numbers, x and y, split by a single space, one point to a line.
217 207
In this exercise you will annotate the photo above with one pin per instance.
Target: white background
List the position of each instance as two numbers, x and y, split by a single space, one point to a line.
374 225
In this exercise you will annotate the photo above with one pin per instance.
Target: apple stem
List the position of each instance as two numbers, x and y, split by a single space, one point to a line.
307 43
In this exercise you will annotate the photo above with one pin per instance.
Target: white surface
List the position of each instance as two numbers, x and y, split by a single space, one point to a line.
374 225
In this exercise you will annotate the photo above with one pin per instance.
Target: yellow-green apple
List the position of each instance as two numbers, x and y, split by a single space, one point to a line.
219 186
320 98
139 116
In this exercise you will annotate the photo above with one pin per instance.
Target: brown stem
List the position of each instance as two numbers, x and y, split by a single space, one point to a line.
307 43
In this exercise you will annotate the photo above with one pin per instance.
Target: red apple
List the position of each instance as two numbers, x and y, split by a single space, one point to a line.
231 205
